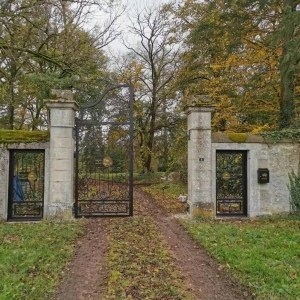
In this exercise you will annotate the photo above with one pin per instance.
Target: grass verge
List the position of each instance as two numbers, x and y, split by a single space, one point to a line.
263 254
33 257
166 195
139 265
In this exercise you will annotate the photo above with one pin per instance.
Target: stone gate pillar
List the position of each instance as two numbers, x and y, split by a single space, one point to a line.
61 187
200 202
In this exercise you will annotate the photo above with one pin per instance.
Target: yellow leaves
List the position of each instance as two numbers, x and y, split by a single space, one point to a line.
166 199
262 128
238 65
140 260
115 275
132 73
216 67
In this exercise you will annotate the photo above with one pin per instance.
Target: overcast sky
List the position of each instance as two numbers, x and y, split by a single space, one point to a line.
142 3
133 6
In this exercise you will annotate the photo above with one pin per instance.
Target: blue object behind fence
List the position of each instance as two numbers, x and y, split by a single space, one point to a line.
18 194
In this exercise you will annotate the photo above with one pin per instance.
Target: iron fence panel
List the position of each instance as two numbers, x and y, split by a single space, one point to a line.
26 185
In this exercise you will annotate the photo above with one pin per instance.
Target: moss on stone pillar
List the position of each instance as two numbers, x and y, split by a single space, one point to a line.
202 210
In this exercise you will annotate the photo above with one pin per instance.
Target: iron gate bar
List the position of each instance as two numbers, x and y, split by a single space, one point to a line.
83 107
82 122
116 212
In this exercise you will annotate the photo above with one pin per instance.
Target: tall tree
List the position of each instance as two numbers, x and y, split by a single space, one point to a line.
45 43
235 52
289 38
156 55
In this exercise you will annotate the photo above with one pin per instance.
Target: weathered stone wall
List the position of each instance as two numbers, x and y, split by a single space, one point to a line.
4 172
199 160
59 157
262 198
61 186
280 158
4 167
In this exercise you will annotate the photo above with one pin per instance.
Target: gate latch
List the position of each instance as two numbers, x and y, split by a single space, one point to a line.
263 175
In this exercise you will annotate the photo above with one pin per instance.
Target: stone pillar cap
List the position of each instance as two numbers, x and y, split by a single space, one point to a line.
200 103
62 99
61 94
199 108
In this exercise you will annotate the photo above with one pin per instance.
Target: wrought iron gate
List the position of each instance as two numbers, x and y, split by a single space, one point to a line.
231 182
26 185
104 155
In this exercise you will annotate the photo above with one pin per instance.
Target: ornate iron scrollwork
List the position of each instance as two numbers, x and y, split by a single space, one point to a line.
104 156
231 182
26 189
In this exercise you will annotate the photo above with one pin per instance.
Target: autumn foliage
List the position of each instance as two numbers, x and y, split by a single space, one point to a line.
245 55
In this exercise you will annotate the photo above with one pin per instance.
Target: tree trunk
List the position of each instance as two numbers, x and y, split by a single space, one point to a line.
288 64
11 111
287 100
11 108
150 139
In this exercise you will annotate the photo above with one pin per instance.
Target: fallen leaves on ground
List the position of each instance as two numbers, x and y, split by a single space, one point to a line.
166 196
139 265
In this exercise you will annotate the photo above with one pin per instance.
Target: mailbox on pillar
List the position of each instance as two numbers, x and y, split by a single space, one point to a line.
263 175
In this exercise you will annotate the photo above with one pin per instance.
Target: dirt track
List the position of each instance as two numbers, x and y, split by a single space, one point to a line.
86 276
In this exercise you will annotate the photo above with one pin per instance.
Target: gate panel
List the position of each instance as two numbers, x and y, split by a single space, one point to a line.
231 182
103 170
104 158
26 185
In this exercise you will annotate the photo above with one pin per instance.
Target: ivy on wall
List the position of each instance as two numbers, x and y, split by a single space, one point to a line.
277 136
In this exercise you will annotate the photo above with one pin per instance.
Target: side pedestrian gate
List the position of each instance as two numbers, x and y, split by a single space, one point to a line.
26 185
104 155
231 182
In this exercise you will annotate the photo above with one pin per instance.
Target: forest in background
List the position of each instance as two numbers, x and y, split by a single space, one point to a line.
243 54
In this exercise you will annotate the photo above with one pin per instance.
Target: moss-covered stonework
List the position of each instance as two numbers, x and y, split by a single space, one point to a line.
218 137
23 136
238 137
202 210
59 212
62 95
